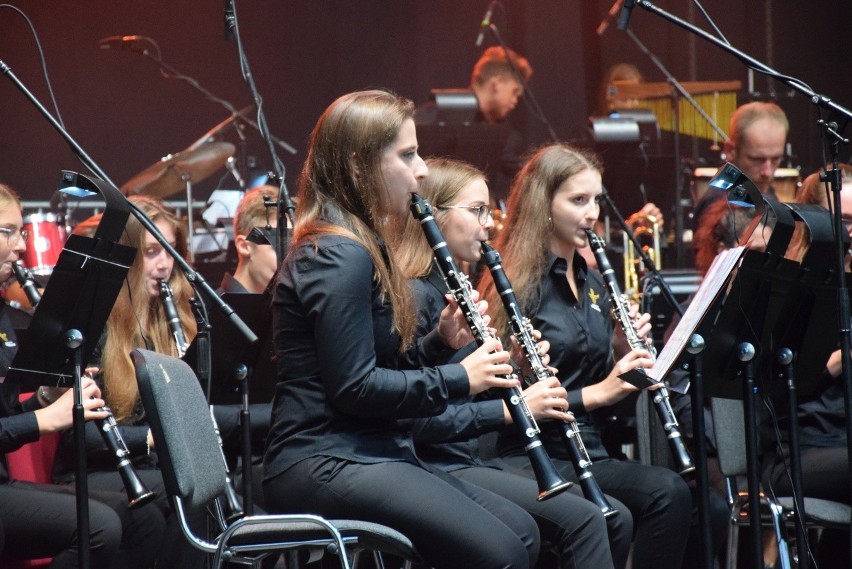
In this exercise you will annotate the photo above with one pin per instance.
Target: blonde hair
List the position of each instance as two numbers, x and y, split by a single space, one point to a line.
137 319
446 180
252 211
342 190
749 113
8 197
526 233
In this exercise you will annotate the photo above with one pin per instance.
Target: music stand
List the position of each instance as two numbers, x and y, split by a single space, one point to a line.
70 318
233 361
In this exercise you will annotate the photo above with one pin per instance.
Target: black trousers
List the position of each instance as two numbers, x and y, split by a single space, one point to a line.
452 523
40 520
173 549
658 499
574 526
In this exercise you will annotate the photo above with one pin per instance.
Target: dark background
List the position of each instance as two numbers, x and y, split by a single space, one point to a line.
303 54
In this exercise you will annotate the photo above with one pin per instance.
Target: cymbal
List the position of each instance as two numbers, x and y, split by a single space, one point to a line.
621 90
170 174
215 133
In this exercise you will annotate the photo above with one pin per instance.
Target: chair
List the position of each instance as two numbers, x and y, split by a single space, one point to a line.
779 514
194 474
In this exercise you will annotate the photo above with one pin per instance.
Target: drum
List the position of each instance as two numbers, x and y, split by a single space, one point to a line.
787 181
44 242
700 181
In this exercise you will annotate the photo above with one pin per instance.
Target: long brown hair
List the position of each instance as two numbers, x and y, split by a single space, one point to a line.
446 179
526 233
137 319
343 191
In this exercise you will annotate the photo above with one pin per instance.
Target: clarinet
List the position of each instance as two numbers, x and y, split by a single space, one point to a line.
684 462
172 317
550 482
522 331
137 492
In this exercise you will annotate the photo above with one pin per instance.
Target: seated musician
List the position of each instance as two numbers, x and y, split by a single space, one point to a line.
138 319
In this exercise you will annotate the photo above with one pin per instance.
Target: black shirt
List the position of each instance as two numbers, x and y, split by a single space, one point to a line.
450 440
580 334
340 393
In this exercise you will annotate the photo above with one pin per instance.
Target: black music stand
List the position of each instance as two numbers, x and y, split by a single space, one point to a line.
775 306
69 320
233 361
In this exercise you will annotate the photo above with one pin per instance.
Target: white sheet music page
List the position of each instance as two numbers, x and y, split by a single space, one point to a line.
716 279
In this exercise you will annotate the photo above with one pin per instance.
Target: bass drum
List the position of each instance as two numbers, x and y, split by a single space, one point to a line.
44 243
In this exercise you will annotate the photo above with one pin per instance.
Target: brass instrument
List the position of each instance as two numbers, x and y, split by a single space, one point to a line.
647 231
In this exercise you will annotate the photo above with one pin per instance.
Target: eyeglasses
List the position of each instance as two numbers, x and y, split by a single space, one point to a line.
14 234
483 212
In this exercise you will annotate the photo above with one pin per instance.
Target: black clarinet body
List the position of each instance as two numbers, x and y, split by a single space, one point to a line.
137 492
172 318
683 461
550 482
521 330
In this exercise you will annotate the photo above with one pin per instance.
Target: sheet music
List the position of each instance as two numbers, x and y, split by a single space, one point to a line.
717 277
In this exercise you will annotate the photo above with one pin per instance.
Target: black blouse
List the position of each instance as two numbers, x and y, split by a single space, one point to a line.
580 334
450 440
340 392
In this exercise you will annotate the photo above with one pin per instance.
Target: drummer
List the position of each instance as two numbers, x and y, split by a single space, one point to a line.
757 143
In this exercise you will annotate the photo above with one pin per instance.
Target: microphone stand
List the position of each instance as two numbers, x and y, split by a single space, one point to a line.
171 72
529 96
834 138
192 276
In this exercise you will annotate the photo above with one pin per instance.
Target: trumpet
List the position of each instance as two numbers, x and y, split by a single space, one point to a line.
137 492
521 330
620 313
647 232
550 482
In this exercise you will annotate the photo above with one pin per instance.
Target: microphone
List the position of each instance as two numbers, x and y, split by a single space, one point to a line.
486 21
230 19
609 17
120 42
624 17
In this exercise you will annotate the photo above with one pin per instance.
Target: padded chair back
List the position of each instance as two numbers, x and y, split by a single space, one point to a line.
729 426
186 442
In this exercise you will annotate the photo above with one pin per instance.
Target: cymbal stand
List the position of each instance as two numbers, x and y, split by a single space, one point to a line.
190 221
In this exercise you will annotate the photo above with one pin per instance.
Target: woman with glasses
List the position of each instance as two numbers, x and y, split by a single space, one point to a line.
574 526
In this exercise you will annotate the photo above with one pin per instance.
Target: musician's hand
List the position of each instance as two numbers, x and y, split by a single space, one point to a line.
487 367
651 210
641 322
613 389
547 399
453 327
59 415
